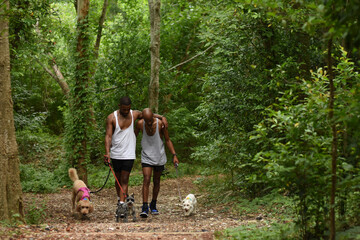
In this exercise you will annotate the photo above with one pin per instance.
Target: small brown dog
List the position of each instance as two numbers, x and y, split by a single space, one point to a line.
80 195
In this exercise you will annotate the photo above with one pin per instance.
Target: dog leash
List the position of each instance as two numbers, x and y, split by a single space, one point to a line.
109 164
177 182
107 178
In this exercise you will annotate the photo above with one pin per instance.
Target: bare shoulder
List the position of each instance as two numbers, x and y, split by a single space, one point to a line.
110 117
136 114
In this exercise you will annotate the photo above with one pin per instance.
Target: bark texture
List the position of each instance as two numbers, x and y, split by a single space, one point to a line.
100 27
80 103
10 188
155 21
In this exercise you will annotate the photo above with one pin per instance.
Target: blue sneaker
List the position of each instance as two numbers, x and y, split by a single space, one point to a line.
145 211
153 209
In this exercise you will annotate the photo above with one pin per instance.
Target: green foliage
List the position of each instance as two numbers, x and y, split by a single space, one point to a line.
343 20
352 233
253 231
36 96
14 221
97 176
257 56
41 148
248 109
300 138
42 165
35 212
42 180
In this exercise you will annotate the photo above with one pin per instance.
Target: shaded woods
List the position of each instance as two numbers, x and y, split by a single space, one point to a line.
263 93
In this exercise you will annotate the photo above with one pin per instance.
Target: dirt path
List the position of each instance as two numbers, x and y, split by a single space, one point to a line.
170 224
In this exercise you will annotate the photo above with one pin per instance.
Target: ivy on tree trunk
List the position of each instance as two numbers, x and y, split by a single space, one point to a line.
81 104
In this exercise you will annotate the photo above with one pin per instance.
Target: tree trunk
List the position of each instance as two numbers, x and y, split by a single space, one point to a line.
155 20
100 27
80 108
333 144
11 203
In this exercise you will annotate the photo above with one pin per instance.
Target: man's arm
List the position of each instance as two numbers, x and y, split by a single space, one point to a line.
138 127
138 115
170 145
108 137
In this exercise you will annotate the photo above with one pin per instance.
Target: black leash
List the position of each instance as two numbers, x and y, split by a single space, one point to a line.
107 178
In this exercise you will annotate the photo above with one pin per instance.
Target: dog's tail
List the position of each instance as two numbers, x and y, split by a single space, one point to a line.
73 174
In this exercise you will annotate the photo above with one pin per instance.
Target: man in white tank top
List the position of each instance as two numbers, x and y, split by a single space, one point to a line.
153 156
120 143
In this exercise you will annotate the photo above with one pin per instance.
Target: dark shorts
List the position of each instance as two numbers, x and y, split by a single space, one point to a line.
156 168
122 164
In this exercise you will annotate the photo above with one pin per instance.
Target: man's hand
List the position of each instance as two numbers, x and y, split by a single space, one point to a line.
175 161
106 160
165 123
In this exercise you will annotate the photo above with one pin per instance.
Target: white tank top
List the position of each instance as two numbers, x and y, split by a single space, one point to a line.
123 142
153 151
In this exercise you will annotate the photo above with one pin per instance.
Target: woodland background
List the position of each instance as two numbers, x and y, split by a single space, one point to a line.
263 94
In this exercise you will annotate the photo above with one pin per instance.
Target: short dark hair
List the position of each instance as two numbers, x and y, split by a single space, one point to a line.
125 101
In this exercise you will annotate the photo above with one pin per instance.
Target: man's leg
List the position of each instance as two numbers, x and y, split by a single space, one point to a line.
156 181
117 169
156 189
122 172
124 181
147 171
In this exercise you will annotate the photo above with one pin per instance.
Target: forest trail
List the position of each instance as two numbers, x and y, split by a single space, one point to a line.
170 224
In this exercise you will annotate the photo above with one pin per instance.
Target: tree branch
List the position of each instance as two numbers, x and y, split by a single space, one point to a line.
112 88
46 69
190 59
59 78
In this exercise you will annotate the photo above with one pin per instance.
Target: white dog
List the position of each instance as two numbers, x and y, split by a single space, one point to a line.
189 205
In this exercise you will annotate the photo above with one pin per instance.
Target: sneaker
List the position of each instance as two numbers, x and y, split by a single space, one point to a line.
153 209
144 212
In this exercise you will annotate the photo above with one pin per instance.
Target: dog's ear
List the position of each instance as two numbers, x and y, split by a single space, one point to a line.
78 207
133 194
91 208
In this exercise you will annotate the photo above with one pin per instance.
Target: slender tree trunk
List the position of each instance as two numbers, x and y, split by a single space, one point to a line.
10 188
80 107
155 20
334 143
100 27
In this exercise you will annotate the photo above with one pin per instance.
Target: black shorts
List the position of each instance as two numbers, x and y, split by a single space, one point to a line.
122 164
156 168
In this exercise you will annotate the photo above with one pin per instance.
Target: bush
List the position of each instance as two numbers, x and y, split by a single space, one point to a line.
35 212
41 180
39 148
253 232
